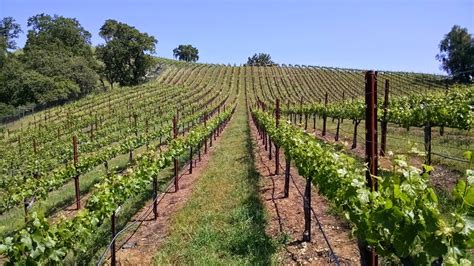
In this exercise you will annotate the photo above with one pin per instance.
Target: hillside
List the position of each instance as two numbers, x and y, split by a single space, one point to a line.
122 152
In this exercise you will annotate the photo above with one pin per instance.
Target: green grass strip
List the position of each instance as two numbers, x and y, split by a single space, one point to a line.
224 220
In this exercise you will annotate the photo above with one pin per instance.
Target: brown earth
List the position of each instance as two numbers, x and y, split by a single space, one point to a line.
286 218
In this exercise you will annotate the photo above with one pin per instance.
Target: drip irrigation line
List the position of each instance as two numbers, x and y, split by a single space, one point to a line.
450 157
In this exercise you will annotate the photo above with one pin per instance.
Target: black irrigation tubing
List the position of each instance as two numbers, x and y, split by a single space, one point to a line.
450 157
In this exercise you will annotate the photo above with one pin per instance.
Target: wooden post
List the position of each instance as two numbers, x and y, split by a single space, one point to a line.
307 210
155 195
277 148
384 123
287 176
314 122
190 160
301 109
175 160
269 148
324 114
76 178
368 253
205 139
113 259
427 131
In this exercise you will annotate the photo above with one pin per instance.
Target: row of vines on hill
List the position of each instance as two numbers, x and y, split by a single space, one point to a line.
151 112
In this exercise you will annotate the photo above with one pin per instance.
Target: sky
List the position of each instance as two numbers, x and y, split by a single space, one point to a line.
383 35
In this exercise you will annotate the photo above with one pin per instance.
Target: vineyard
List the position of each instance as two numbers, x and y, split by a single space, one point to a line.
390 153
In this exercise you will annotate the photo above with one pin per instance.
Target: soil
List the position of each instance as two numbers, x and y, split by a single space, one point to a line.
286 218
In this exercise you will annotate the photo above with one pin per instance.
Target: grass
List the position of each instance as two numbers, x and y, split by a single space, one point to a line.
400 141
224 220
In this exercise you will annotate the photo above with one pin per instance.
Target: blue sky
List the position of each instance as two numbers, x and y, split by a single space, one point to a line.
384 35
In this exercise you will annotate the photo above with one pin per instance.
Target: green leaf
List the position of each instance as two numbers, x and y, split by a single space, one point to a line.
435 247
26 240
469 197
388 204
3 248
432 195
396 191
468 155
458 191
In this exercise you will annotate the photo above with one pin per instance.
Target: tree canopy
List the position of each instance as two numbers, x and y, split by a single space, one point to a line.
59 33
124 53
260 59
57 63
457 54
9 31
186 53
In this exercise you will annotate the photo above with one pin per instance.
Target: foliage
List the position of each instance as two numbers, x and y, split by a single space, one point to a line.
56 65
58 33
42 241
186 53
9 30
450 109
457 54
401 219
124 53
260 59
6 110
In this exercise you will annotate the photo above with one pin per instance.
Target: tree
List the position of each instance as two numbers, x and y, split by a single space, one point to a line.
457 54
60 48
9 30
56 65
186 53
260 59
58 33
124 53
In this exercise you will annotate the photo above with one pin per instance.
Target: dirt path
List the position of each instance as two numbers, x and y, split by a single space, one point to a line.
140 246
286 217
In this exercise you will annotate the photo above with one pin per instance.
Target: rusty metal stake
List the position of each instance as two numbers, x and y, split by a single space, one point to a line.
113 260
277 148
191 160
287 176
155 195
371 146
384 123
307 211
175 160
76 178
324 114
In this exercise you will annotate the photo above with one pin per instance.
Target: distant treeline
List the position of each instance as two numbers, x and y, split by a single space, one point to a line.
58 62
